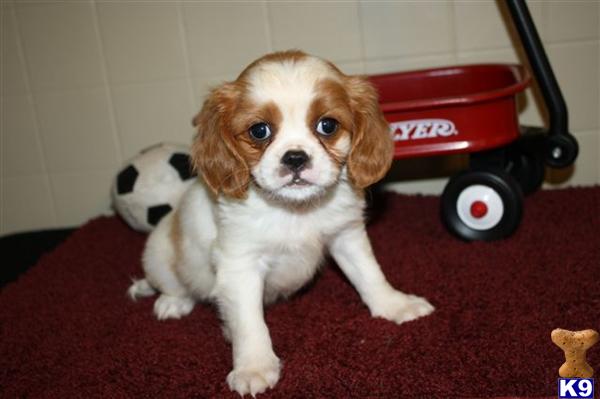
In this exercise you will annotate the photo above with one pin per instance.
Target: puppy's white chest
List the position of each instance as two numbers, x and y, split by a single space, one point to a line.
287 245
290 257
288 269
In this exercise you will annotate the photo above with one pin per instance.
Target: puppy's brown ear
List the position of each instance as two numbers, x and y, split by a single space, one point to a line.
372 145
215 154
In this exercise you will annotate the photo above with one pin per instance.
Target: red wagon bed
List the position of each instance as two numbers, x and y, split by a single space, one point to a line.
455 109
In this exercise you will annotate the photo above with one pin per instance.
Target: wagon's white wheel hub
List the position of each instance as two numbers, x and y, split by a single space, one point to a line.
480 207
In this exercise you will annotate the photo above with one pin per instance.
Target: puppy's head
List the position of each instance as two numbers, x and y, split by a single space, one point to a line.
291 122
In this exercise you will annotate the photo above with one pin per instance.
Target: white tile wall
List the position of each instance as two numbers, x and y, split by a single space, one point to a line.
76 130
27 203
222 37
576 65
153 112
485 25
86 84
21 150
12 80
399 28
141 42
80 196
386 65
317 28
571 20
60 45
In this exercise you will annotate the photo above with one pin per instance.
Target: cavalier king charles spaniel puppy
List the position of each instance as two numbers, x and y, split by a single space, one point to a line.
284 153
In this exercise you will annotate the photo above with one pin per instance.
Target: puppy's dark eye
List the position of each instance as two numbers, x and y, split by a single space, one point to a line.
327 126
260 131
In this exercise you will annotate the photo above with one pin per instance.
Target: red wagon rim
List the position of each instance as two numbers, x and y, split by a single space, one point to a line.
520 74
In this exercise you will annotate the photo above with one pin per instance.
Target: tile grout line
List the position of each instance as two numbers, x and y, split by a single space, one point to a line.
410 56
117 139
567 42
453 24
361 33
34 110
267 14
186 59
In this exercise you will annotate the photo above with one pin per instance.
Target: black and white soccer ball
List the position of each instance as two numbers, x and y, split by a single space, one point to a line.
151 184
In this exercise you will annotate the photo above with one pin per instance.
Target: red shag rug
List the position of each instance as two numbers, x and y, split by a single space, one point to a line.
68 330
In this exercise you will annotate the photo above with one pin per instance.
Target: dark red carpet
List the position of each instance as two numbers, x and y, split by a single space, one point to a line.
68 330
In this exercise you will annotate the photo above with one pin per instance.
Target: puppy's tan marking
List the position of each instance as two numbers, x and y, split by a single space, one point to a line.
331 102
215 154
291 56
175 235
247 115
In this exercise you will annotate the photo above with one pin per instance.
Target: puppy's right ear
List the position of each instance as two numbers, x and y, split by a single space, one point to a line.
215 154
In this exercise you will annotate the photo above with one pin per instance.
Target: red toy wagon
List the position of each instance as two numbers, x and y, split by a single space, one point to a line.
472 109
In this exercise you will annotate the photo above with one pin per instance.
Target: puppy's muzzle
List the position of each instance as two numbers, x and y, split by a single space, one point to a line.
295 161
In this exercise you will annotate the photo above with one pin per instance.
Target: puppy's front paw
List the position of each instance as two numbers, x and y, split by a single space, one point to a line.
255 377
399 307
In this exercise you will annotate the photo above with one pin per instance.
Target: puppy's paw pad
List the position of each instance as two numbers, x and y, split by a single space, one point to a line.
401 308
172 307
253 380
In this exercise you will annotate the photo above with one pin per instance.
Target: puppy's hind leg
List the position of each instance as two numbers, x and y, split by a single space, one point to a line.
160 262
140 289
174 301
166 306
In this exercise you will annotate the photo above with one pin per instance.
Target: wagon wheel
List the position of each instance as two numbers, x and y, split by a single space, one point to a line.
482 205
525 163
561 150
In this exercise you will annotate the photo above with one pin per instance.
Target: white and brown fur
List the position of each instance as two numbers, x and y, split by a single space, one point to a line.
251 230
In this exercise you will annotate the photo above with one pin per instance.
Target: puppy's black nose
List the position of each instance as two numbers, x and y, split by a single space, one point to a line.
295 160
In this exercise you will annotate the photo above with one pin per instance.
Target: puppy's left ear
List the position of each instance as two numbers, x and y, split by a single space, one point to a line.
372 145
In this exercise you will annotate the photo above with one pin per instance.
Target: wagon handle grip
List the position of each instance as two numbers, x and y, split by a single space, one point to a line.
562 147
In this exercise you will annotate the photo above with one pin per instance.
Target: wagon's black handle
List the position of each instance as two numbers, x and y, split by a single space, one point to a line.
561 146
